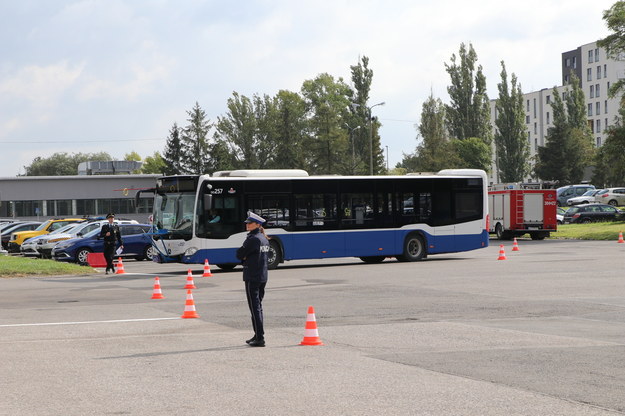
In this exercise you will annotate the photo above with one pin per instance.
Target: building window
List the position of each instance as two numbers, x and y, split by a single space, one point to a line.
567 62
605 71
527 119
598 108
590 109
597 91
548 99
592 91
589 74
598 125
596 54
590 54
606 123
535 144
534 107
605 107
529 137
574 62
535 128
528 106
599 72
592 126
548 120
598 141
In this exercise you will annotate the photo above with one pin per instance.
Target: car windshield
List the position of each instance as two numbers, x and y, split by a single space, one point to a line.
43 226
64 229
174 212
572 210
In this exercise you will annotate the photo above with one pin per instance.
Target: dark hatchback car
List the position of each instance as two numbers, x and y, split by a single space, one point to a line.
137 244
16 227
586 213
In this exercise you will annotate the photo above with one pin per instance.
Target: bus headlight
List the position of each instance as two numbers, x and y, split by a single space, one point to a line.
190 251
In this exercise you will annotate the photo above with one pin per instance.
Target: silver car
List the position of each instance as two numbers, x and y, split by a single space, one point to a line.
612 196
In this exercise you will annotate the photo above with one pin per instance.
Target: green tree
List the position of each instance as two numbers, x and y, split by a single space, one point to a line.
194 140
173 152
614 43
512 149
368 134
435 151
551 158
62 164
154 164
290 126
472 153
468 114
327 103
239 130
610 167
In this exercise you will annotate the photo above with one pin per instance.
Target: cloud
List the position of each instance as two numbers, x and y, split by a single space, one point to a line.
42 86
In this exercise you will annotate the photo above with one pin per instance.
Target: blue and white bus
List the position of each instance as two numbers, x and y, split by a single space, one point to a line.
314 217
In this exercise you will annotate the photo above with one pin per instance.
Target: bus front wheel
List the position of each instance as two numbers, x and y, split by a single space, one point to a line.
274 257
414 249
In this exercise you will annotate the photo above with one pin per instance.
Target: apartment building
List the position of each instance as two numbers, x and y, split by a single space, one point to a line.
597 72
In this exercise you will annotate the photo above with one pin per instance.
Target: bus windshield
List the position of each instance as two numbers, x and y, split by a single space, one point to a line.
173 212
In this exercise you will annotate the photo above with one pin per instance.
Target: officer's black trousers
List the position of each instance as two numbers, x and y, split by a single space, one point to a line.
255 292
109 253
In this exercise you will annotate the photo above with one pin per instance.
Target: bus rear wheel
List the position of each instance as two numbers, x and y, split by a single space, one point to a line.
414 249
274 256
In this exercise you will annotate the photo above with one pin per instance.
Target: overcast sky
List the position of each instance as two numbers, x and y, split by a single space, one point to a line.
113 75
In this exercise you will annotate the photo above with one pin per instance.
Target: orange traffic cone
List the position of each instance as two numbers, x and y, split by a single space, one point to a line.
158 294
189 307
190 284
620 237
120 266
311 336
207 269
515 246
502 253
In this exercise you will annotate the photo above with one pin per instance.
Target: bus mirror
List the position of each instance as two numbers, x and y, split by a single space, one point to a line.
208 202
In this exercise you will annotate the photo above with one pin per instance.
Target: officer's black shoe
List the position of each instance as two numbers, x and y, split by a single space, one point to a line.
107 271
257 343
251 339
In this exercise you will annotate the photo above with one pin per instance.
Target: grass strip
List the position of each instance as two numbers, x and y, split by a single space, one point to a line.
11 266
592 231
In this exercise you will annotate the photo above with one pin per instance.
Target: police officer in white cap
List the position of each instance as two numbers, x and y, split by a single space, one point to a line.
253 255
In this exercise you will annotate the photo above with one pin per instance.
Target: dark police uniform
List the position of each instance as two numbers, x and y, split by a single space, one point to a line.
109 243
253 255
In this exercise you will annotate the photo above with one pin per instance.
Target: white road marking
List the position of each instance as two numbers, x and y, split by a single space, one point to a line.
89 322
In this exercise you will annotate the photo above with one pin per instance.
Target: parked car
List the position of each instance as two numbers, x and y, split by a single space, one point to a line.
587 198
571 191
16 227
612 196
592 213
29 247
46 243
137 244
47 227
560 215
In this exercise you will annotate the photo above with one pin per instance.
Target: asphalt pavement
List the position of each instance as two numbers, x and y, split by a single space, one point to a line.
541 333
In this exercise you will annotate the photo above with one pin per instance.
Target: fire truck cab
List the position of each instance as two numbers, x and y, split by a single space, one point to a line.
516 209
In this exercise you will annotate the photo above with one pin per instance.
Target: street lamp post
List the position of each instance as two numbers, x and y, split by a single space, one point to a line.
351 137
371 137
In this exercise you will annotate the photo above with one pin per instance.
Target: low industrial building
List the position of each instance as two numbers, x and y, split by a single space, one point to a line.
44 197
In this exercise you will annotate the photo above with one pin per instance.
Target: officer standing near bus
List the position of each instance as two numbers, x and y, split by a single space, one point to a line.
253 255
110 234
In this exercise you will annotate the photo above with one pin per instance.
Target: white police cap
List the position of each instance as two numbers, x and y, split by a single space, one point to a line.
254 218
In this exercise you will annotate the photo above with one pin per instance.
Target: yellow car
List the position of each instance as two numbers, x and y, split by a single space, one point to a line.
47 227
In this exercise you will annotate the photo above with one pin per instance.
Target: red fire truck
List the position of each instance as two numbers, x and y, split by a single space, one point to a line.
518 209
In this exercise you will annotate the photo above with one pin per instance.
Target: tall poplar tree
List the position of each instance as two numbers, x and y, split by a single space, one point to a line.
551 163
511 146
362 78
468 113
